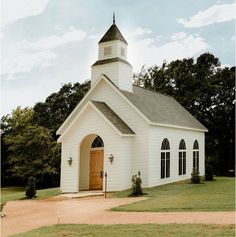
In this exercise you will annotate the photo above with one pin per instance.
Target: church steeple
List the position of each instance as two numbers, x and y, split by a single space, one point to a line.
112 59
113 33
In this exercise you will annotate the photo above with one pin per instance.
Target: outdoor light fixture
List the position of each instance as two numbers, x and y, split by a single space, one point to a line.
69 161
110 158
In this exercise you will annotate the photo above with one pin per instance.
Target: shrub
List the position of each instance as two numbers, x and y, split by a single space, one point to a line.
30 190
209 173
136 184
195 177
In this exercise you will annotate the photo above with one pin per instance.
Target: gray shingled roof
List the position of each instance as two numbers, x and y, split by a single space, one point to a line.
113 117
113 33
161 109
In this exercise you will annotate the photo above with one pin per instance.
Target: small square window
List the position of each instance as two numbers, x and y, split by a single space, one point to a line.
122 51
107 51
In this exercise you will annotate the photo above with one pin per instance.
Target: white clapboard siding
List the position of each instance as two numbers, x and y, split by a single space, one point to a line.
139 155
157 134
91 122
119 72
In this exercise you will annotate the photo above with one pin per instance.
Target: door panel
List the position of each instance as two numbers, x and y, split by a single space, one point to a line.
96 167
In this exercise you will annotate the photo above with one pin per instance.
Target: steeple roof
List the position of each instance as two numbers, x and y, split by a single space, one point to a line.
113 33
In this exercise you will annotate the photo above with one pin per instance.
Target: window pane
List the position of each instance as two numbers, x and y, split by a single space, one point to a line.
167 168
162 169
194 159
184 162
163 155
180 166
195 145
97 142
180 163
107 51
197 158
168 155
122 51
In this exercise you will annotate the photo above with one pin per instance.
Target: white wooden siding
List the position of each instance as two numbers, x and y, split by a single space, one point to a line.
119 73
91 122
157 134
139 154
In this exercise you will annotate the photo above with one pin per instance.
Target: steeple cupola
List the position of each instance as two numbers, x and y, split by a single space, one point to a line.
112 59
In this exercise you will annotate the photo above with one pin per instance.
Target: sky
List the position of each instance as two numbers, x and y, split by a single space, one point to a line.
47 43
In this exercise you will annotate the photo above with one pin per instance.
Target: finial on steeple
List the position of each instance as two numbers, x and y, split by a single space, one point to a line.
114 18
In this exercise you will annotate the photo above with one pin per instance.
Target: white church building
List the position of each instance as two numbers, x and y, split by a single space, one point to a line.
120 129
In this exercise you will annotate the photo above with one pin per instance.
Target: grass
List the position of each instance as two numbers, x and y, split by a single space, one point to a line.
18 193
182 196
151 230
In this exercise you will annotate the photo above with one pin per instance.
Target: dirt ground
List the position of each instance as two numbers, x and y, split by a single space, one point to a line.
25 215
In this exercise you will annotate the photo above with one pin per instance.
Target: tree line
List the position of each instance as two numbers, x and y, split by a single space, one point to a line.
203 87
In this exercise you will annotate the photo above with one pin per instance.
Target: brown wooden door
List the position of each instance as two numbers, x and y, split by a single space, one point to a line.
96 167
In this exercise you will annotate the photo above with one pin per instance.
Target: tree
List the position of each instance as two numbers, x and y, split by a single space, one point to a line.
206 90
57 107
30 190
31 150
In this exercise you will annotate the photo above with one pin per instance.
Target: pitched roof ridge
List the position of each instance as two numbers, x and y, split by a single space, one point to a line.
155 92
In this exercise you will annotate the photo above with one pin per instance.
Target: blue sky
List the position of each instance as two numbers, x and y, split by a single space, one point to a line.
46 43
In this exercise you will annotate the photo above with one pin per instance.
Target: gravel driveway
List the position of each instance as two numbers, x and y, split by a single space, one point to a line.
25 215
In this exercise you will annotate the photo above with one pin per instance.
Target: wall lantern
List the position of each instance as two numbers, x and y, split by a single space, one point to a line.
111 158
69 161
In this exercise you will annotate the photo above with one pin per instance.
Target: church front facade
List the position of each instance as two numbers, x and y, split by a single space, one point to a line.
119 129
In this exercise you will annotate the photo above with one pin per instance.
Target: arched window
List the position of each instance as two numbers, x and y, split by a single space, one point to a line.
165 159
195 145
182 157
97 142
196 155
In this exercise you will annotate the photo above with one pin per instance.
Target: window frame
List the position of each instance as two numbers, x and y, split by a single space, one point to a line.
107 51
182 157
196 155
165 159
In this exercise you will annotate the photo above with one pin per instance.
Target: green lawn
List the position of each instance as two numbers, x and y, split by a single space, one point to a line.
18 193
170 230
182 196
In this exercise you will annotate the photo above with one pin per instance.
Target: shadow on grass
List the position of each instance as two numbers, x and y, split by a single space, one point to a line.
140 195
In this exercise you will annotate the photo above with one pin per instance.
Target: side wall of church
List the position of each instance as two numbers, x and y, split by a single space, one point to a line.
174 135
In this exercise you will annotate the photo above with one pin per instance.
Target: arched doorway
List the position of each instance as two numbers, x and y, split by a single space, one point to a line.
96 164
91 163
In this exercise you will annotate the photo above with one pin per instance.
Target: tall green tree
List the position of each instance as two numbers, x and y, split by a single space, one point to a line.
31 150
57 107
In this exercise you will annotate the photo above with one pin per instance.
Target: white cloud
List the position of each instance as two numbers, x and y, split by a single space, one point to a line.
179 36
54 41
213 14
146 52
25 56
22 62
140 31
13 10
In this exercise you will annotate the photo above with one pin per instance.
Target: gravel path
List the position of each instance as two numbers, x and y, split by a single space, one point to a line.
25 215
